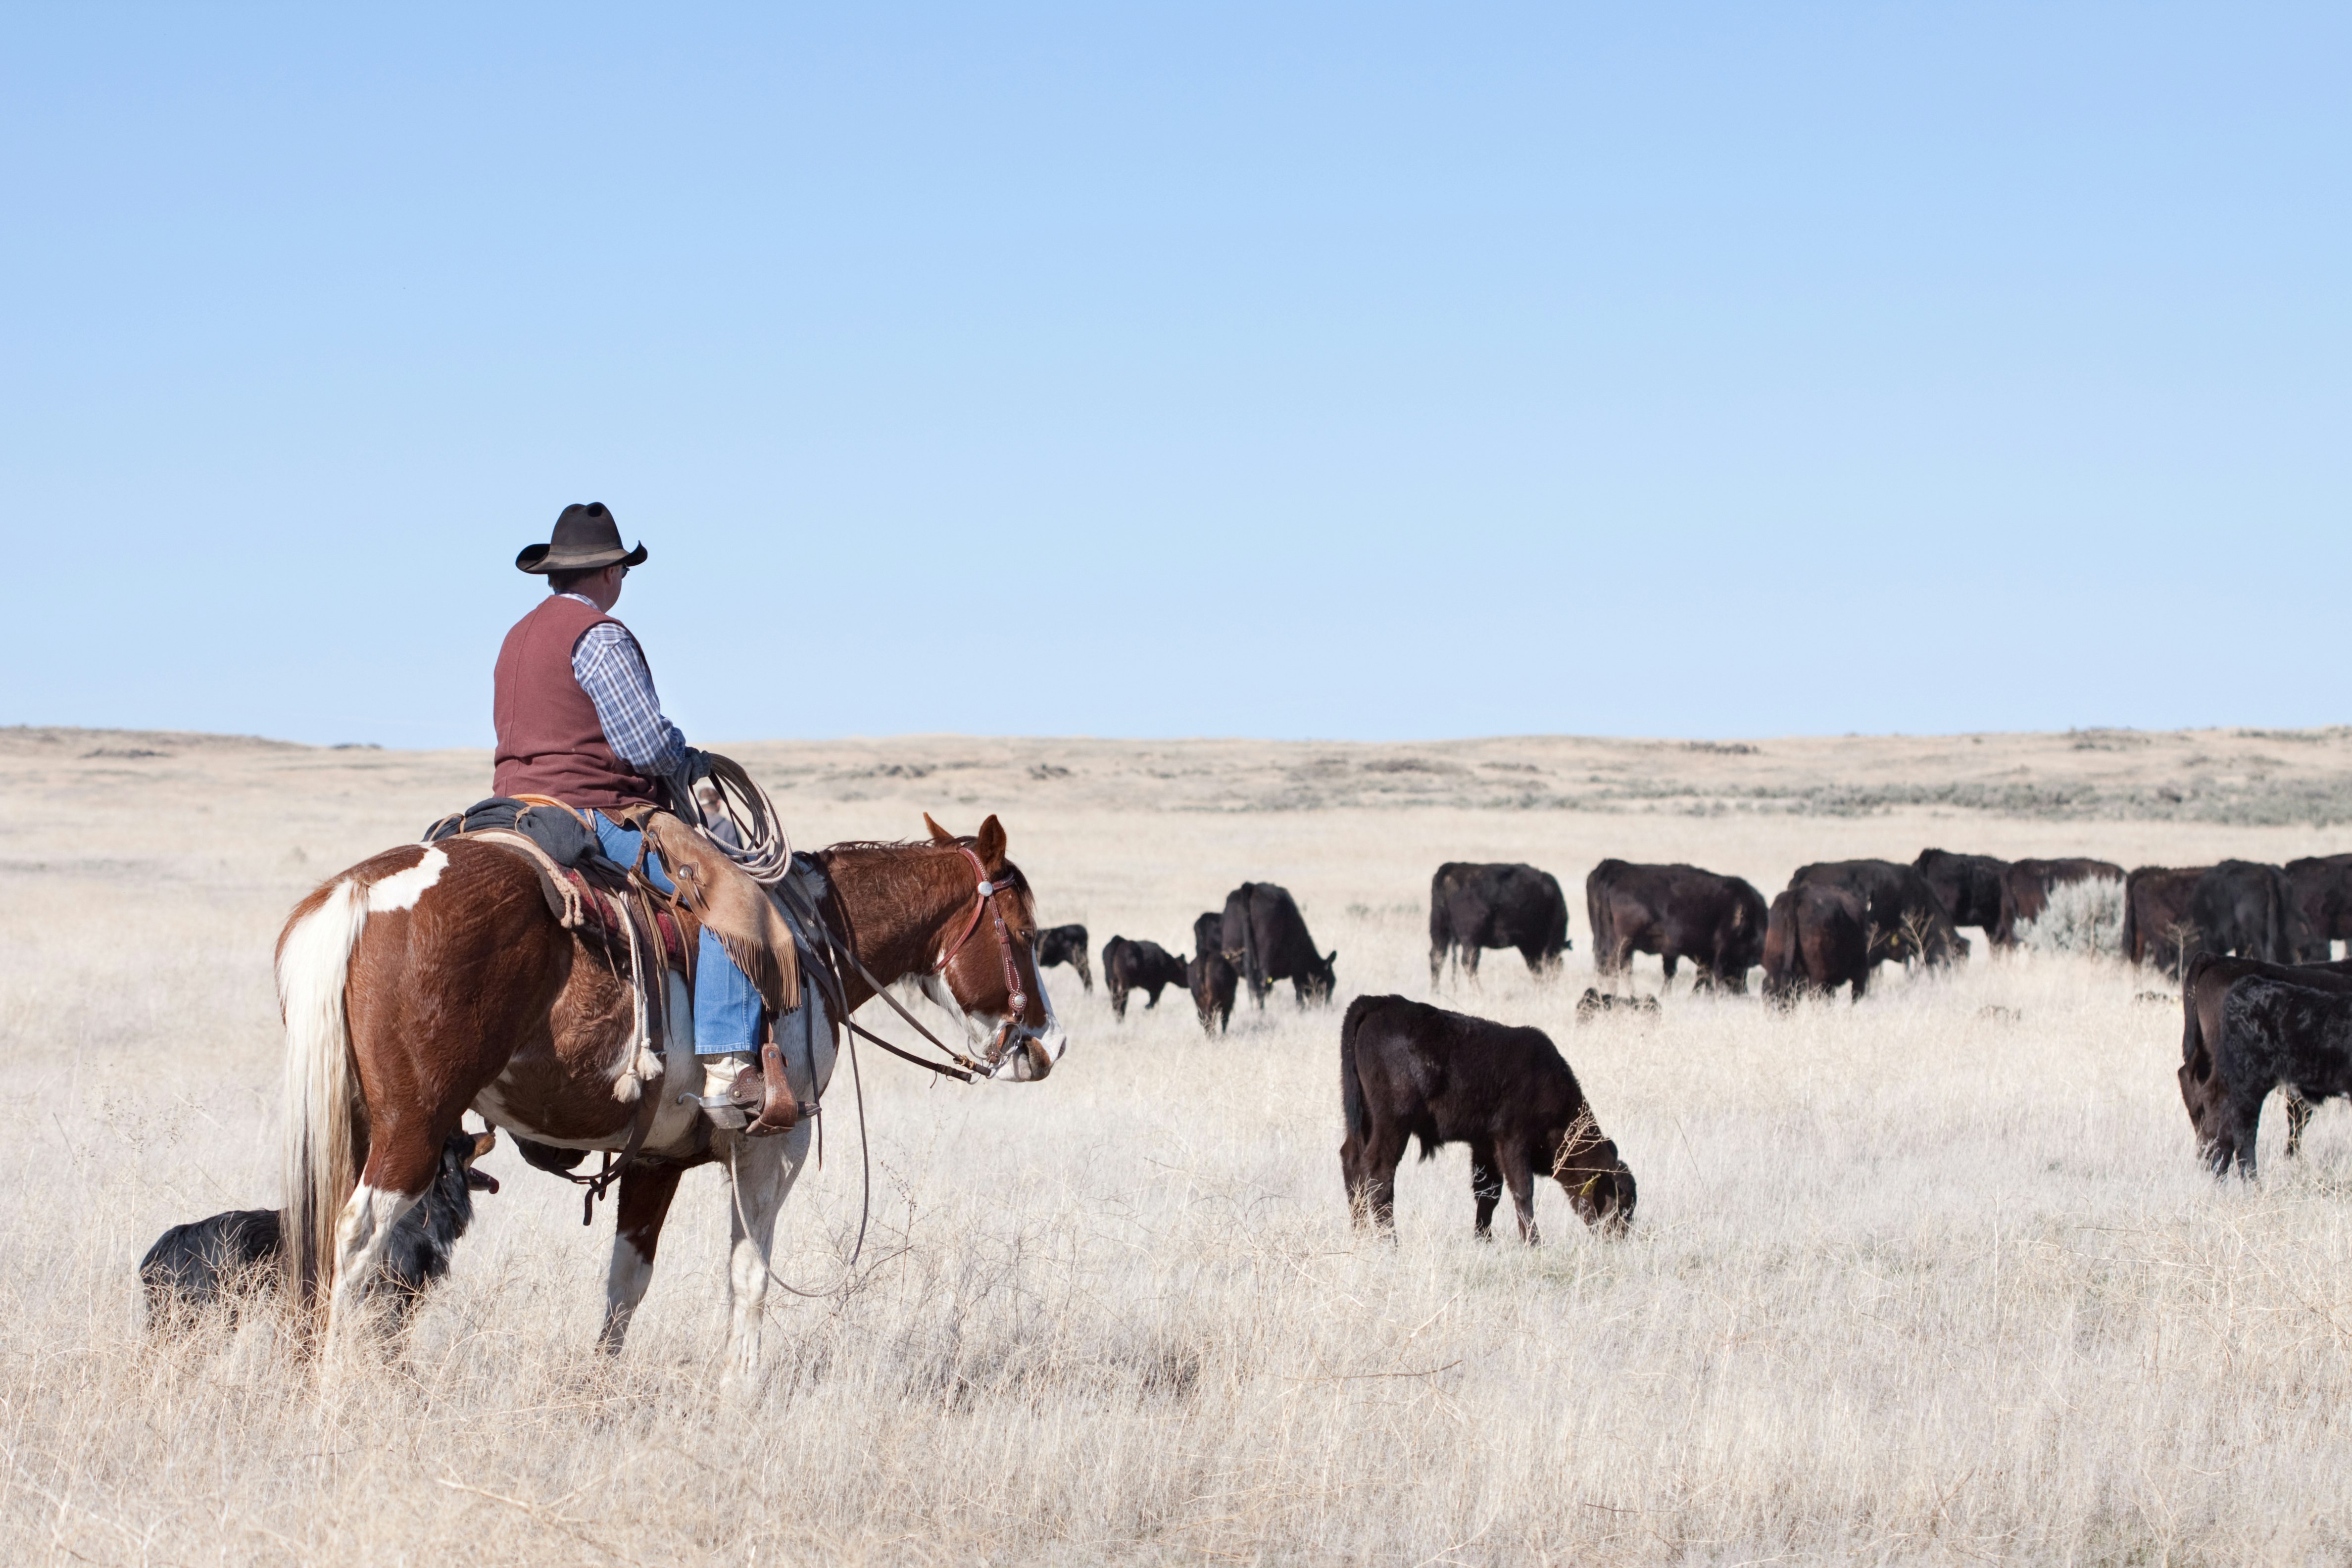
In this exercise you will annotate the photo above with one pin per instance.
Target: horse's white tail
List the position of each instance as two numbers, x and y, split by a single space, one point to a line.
322 1092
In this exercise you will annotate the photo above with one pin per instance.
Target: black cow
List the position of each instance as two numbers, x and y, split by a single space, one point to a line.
1905 919
1409 1070
1476 906
221 1260
1210 976
1264 936
1676 911
2274 1034
2202 989
1067 945
2026 887
2242 907
1138 966
1972 889
2321 889
2157 928
1817 938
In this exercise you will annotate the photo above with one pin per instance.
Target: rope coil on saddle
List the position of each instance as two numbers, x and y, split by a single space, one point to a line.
763 848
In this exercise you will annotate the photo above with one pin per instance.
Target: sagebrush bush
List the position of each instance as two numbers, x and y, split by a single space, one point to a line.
2084 918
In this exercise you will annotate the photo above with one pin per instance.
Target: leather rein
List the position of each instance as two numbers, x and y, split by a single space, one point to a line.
959 1065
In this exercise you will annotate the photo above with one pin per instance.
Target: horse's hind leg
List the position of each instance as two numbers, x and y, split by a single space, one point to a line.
401 1162
762 1172
646 1193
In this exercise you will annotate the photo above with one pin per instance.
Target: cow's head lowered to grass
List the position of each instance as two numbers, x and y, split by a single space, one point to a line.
1598 1183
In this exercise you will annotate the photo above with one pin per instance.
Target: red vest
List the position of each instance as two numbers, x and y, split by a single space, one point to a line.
550 741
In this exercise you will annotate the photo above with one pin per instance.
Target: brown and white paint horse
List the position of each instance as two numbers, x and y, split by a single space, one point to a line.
431 978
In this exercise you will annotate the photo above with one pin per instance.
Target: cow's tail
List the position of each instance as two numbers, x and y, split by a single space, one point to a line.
1351 1087
323 1113
2192 1027
2130 937
1600 929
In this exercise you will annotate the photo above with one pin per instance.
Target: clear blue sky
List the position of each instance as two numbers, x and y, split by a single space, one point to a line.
1350 371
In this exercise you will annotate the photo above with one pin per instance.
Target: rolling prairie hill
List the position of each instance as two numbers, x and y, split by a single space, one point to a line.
2239 777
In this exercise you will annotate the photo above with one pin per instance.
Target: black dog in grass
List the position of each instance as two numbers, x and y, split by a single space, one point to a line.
218 1262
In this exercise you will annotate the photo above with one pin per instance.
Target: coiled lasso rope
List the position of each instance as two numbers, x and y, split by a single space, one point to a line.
762 846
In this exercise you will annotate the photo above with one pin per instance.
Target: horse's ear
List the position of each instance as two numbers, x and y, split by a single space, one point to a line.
991 841
938 835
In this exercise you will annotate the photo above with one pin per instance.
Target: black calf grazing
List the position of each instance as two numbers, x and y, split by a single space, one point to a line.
1212 979
1409 1070
1215 983
1138 966
224 1260
1065 944
2274 1034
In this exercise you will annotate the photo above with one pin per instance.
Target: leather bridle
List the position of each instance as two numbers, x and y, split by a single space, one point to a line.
1013 1030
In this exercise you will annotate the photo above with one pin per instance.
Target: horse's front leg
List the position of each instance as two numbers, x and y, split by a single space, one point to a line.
646 1192
760 1171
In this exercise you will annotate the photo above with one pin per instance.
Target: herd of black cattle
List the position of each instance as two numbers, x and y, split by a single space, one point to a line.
2263 1007
1833 924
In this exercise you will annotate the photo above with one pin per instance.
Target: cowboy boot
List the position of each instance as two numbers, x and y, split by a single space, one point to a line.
720 1070
740 1095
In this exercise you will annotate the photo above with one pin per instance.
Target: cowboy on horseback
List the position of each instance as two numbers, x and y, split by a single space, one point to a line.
579 722
479 970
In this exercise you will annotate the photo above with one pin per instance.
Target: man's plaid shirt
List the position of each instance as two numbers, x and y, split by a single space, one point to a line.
613 673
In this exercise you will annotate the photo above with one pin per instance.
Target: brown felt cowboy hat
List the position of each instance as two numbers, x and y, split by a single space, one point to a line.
586 538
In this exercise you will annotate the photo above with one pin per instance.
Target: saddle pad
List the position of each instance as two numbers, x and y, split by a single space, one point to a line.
559 832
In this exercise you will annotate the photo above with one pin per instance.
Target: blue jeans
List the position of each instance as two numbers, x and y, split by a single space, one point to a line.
726 1005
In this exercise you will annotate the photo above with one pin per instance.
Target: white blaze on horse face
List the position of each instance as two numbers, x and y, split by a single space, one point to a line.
403 889
1031 1058
1047 1046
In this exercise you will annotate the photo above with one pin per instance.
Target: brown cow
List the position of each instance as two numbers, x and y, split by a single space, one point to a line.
1409 1070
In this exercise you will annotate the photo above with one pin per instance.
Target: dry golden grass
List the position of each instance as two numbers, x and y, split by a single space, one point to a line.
1909 1282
